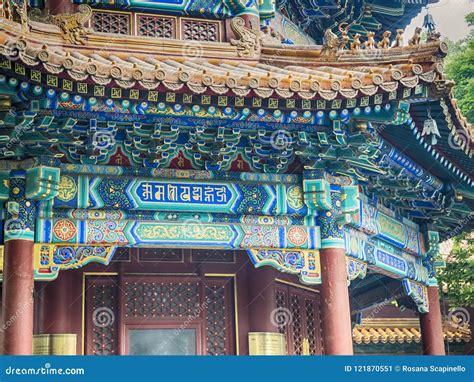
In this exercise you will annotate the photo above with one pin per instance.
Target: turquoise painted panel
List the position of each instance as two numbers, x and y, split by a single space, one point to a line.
183 234
383 257
128 193
402 233
178 196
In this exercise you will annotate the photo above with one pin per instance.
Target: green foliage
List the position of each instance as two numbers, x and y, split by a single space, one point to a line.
457 279
460 68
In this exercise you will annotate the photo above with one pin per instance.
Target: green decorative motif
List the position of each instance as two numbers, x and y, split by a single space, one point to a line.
42 182
185 234
390 229
21 212
178 233
294 197
317 194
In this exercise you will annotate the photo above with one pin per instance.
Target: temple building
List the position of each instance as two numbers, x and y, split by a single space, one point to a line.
223 177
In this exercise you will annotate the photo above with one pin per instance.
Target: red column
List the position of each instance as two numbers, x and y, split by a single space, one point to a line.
335 309
56 305
432 326
17 298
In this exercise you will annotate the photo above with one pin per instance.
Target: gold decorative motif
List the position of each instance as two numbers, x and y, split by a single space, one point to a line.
331 42
355 45
403 330
249 41
398 39
385 43
370 43
72 26
67 188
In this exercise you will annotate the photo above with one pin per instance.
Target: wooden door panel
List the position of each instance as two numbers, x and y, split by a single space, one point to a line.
303 329
101 316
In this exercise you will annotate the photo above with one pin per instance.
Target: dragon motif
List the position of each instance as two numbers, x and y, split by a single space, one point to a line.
72 25
332 43
249 41
21 11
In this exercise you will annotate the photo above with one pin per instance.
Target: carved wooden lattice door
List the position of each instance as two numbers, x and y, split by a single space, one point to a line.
159 315
303 324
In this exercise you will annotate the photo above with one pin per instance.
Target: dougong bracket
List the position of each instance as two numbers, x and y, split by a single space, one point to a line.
303 263
50 259
418 293
355 269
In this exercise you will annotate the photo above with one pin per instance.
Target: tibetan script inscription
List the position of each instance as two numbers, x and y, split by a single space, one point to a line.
391 260
208 194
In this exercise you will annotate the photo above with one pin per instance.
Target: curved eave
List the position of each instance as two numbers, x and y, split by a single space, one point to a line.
152 63
449 154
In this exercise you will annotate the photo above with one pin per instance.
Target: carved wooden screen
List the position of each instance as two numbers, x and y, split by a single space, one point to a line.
111 22
219 316
302 328
101 315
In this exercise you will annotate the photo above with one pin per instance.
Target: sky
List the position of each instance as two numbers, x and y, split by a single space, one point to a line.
448 16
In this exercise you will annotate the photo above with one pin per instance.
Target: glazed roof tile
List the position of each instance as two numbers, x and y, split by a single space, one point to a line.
403 330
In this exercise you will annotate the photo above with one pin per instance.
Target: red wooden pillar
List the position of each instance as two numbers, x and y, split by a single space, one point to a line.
335 309
17 297
431 325
56 305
